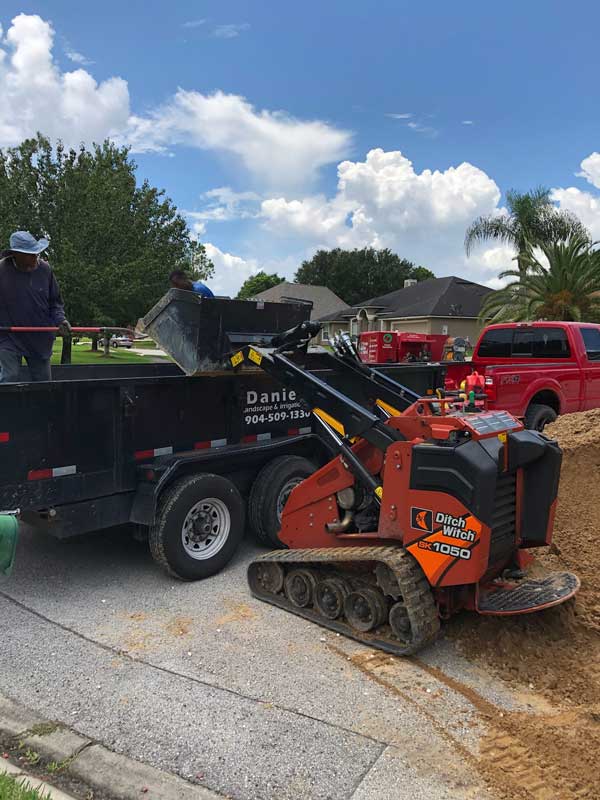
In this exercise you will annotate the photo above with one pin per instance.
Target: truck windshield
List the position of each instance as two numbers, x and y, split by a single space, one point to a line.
591 340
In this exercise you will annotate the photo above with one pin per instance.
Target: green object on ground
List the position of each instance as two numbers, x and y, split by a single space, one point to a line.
9 533
12 789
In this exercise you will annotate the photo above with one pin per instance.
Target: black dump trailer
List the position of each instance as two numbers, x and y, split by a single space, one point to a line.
186 460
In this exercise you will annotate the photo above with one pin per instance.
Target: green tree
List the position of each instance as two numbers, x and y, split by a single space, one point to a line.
112 242
258 283
532 219
564 288
356 275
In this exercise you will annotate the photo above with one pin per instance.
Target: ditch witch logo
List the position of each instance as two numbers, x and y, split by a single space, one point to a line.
422 519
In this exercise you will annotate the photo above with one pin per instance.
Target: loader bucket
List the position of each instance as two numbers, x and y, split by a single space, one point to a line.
199 332
9 532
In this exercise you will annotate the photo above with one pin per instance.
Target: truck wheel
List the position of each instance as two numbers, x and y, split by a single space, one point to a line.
199 527
269 494
538 416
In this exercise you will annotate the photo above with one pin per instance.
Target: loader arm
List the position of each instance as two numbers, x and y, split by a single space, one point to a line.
339 411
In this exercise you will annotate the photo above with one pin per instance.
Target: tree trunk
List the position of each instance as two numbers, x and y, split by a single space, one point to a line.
94 342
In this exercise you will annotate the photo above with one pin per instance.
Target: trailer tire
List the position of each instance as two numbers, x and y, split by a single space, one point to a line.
270 489
199 526
538 415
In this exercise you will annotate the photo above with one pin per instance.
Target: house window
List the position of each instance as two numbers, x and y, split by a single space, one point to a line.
325 333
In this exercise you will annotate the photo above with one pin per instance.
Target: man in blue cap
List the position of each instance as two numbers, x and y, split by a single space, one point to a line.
29 297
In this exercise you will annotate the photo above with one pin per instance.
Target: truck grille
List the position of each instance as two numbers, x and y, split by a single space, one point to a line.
504 519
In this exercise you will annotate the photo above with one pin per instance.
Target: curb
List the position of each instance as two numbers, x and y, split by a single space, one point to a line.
54 748
30 781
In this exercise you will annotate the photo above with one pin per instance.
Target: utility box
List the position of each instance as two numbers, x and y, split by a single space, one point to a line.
200 332
378 347
393 347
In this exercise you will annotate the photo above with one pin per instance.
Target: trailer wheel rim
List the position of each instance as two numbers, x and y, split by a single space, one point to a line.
284 494
205 528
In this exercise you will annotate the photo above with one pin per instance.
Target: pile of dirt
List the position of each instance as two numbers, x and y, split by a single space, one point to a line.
556 651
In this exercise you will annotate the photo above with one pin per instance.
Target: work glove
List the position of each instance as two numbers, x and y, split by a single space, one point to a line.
64 328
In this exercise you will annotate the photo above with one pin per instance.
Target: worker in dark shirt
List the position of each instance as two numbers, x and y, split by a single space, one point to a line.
29 297
179 280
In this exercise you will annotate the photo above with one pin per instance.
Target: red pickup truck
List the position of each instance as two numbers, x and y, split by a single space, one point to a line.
536 370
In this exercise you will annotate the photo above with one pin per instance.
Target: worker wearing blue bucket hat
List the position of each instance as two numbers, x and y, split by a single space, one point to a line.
29 297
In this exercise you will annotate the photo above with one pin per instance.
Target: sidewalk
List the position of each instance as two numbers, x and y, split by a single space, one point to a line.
54 755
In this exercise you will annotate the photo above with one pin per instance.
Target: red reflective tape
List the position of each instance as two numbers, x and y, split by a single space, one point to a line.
293 431
249 438
4 437
140 455
201 445
39 474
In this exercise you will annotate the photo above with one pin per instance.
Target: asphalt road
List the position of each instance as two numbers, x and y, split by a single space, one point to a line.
206 682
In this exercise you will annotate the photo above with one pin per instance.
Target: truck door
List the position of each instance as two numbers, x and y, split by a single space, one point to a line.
590 367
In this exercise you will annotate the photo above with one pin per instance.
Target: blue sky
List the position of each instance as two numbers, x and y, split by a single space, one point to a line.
258 104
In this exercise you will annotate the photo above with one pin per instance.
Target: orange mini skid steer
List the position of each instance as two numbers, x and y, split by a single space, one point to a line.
423 511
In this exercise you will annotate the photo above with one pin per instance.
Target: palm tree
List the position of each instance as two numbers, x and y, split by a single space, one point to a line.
532 219
566 288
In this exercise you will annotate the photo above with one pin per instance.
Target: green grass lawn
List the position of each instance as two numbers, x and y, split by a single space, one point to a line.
146 344
82 354
11 790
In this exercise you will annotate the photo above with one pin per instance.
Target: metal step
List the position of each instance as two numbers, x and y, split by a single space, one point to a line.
528 595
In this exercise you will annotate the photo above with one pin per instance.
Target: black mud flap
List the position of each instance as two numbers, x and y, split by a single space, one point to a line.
529 595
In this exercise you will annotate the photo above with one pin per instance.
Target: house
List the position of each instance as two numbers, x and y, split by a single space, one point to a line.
447 306
325 302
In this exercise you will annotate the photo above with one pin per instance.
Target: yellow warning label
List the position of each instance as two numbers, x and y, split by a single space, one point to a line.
379 492
254 356
237 358
502 437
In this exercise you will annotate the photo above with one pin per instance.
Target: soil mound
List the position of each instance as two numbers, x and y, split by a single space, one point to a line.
556 651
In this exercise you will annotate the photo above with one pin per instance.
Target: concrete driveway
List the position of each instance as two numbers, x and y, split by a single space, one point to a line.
208 683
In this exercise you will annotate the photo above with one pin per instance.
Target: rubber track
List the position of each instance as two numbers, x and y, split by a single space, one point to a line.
412 584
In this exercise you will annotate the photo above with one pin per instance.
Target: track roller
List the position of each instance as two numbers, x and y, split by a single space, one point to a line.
365 609
299 585
330 595
400 622
269 576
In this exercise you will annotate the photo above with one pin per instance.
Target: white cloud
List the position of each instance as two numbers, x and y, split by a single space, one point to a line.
278 150
590 169
193 23
224 204
77 58
230 31
399 116
583 204
230 271
383 202
467 122
34 93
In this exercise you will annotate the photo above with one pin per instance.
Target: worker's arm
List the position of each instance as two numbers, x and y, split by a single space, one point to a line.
56 306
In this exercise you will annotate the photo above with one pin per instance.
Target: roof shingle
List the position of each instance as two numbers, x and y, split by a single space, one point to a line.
436 297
